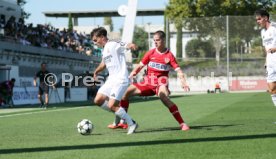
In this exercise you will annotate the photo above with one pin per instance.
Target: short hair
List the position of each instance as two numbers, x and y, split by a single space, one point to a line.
161 34
43 63
13 79
262 13
101 31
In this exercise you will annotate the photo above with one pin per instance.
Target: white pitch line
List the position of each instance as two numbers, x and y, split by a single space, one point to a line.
46 111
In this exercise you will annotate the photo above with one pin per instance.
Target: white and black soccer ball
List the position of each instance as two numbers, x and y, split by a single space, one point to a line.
85 127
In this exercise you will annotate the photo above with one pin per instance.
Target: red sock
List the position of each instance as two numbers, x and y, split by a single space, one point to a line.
174 110
124 104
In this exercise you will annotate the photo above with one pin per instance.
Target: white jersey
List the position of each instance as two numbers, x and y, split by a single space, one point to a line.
269 37
114 58
269 41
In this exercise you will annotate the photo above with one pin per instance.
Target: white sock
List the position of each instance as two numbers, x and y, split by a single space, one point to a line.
122 114
122 121
273 96
104 106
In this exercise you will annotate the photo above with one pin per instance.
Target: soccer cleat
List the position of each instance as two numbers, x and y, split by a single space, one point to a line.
112 126
184 127
45 106
119 126
132 128
122 125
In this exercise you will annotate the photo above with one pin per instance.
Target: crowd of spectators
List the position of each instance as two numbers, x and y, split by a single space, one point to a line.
46 36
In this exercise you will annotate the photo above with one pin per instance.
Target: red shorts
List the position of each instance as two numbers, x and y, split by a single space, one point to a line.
148 90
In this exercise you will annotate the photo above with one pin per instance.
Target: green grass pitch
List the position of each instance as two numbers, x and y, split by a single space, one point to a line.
223 126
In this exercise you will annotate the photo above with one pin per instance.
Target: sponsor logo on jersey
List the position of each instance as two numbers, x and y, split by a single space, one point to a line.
122 43
159 66
107 59
268 41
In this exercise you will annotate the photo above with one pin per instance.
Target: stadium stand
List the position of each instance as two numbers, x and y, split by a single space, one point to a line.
26 46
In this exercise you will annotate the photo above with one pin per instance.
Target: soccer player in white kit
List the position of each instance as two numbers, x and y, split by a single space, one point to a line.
268 34
113 58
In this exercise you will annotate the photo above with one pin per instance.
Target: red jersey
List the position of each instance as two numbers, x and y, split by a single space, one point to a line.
159 65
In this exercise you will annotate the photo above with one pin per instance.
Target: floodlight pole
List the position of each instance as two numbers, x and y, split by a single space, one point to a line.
148 24
167 32
129 25
227 51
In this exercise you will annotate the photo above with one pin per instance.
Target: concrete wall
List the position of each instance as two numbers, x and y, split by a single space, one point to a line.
202 84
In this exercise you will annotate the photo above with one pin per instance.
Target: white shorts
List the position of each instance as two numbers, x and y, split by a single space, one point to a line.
114 89
271 67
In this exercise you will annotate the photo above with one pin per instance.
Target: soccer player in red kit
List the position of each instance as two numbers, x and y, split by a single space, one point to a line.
159 61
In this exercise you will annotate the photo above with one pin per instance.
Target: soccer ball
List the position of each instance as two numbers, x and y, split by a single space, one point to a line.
85 127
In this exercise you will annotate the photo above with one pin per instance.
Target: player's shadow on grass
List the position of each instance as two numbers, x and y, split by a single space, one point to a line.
136 143
138 99
211 127
206 127
90 103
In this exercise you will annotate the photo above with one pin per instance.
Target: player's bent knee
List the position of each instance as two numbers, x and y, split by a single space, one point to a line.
110 105
131 90
163 94
273 91
98 101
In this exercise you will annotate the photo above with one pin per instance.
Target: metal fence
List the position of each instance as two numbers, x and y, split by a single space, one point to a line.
222 46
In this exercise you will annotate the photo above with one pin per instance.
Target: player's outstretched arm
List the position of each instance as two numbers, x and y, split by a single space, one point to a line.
99 69
131 46
271 50
182 78
136 70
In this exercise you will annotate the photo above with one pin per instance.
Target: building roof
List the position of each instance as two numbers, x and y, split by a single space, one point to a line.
102 13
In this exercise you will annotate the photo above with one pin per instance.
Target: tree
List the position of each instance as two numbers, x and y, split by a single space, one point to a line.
70 22
177 10
182 11
215 27
167 27
273 10
140 38
242 28
199 48
212 28
24 14
108 21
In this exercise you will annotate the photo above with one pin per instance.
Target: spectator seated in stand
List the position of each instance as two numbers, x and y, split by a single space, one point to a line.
46 36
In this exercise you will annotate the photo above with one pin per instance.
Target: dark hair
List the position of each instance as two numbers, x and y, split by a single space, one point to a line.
43 63
262 13
13 79
161 34
101 31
